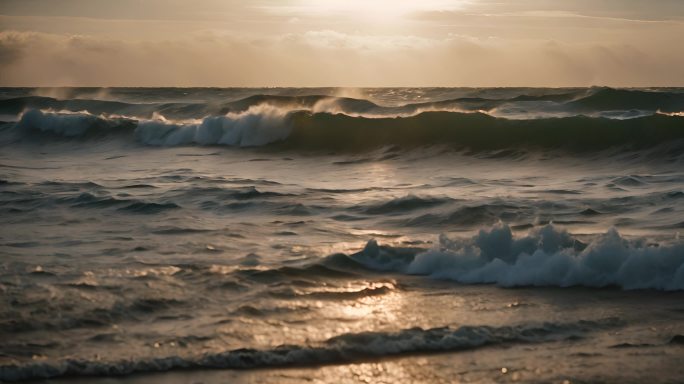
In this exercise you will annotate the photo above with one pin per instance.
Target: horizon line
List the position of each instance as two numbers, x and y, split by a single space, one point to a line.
342 86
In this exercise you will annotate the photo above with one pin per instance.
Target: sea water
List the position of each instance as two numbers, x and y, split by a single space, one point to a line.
337 235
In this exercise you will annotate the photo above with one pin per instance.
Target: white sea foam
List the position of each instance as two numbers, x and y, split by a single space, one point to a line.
545 257
259 125
674 114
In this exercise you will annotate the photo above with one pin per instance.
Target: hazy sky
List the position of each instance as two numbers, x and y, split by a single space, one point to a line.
341 42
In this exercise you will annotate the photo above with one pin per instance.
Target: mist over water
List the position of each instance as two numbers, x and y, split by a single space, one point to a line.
149 230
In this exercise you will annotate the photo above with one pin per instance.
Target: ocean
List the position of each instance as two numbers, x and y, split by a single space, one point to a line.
274 235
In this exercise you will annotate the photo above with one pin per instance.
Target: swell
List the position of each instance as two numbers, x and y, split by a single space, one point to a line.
480 132
192 110
30 200
571 100
402 205
302 130
344 348
625 99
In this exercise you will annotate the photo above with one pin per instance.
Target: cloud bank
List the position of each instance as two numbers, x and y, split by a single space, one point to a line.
329 58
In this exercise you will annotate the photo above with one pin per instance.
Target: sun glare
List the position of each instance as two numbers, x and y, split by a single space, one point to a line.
377 10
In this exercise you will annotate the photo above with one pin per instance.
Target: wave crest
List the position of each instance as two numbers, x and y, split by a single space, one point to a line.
257 126
69 124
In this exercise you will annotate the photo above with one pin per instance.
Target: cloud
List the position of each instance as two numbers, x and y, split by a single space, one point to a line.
636 10
546 17
328 58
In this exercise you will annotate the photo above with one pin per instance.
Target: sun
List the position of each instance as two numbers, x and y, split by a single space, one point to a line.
376 10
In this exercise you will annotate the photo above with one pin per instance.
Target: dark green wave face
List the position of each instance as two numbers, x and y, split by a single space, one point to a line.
481 132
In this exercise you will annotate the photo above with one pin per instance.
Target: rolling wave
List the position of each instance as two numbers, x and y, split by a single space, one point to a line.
296 129
343 348
626 99
535 101
480 132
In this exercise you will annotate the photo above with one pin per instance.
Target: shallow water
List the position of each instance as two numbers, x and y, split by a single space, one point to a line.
176 229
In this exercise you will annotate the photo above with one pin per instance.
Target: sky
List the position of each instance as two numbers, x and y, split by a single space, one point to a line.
351 43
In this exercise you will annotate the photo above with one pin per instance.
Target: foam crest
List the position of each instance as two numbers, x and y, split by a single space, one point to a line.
68 124
258 125
545 257
676 114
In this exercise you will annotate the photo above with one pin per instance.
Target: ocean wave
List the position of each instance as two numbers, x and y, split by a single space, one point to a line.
630 99
259 125
95 199
20 104
468 215
402 205
314 272
86 317
302 130
545 257
198 110
480 132
70 124
333 295
529 102
344 348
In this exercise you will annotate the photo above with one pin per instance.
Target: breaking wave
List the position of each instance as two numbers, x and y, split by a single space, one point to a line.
257 126
545 257
339 349
297 129
70 124
577 119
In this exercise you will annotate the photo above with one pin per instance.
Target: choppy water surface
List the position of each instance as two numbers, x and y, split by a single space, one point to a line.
342 235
